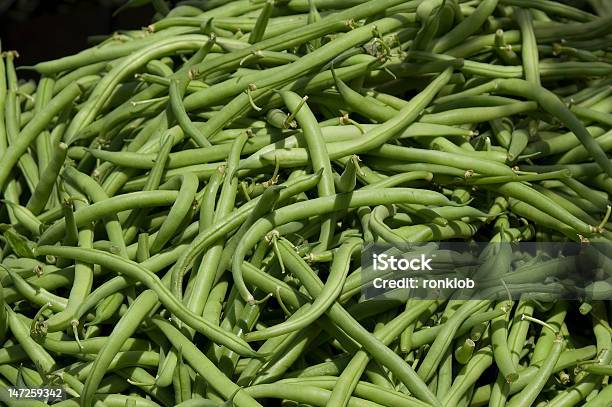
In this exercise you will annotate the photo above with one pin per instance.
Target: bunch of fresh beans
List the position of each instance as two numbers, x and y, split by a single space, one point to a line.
184 206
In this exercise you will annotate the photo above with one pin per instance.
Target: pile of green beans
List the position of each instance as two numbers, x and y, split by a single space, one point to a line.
184 206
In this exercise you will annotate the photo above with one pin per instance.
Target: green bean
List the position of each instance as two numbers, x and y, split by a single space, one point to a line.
226 202
328 204
224 90
113 400
43 142
131 106
501 351
37 296
294 346
348 379
468 115
579 153
575 204
380 229
530 392
178 211
197 156
371 343
302 394
347 181
22 376
464 351
300 35
330 292
176 90
204 278
103 89
481 360
549 102
110 206
41 359
10 189
244 324
95 192
599 369
26 219
12 115
562 174
518 142
399 179
363 389
45 186
107 308
601 331
505 51
601 399
357 102
532 197
122 331
440 143
428 13
443 381
92 345
592 115
120 360
551 7
442 342
529 51
182 383
94 55
4 326
33 129
266 203
86 70
204 366
262 21
596 197
282 343
71 236
81 285
232 221
137 272
381 133
466 28
318 154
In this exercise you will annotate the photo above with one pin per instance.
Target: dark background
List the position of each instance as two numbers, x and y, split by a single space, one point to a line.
40 30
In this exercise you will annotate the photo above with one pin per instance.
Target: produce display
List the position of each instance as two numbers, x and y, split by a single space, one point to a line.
185 207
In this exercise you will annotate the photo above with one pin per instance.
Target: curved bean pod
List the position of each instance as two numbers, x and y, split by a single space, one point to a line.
372 344
329 293
214 232
124 329
318 154
302 210
178 211
36 353
26 136
205 367
107 207
139 273
45 185
549 102
528 395
106 85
